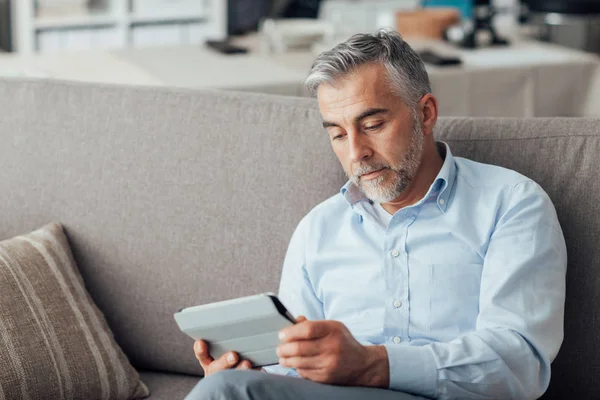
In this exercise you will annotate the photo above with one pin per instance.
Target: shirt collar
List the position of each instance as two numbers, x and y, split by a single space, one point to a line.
442 185
444 182
352 193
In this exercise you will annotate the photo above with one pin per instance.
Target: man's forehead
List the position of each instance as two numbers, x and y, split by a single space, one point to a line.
335 102
357 84
344 102
365 82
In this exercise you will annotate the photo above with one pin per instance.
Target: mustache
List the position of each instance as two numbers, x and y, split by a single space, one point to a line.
364 169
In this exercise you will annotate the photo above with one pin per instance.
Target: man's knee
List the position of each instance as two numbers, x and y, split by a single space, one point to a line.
228 385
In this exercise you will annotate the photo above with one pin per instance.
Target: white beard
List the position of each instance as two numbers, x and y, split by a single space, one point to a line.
394 179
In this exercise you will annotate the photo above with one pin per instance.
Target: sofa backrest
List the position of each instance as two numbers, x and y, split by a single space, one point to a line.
175 198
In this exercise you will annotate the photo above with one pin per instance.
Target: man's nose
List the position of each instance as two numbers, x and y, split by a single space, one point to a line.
358 148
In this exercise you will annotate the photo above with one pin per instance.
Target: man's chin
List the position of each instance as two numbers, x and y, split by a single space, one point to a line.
379 193
372 193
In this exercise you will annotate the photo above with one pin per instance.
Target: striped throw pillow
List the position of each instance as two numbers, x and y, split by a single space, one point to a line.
54 341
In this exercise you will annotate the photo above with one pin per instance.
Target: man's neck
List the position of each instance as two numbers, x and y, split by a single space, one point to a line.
430 168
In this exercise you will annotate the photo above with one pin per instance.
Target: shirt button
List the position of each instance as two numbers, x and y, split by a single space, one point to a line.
397 339
395 253
442 201
397 304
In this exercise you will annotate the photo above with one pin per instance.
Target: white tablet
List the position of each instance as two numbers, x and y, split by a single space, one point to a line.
247 325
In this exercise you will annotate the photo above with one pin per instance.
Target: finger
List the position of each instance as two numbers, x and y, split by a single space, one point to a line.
226 361
306 330
201 352
304 363
300 348
244 365
301 318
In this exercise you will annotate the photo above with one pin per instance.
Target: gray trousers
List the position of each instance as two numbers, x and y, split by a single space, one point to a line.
254 385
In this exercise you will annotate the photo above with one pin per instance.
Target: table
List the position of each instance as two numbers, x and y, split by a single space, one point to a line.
86 66
528 79
203 68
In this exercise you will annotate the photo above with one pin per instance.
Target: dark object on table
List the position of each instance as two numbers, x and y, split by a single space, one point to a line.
244 16
564 6
433 58
302 9
225 47
6 24
483 18
571 23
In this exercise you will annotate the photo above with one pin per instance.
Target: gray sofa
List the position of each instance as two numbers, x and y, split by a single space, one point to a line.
177 198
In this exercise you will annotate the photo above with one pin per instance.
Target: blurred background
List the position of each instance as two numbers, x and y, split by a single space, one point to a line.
485 57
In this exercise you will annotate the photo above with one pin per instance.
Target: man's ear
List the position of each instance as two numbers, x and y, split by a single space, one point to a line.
428 106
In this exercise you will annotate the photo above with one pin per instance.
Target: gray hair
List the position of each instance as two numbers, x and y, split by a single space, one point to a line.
406 70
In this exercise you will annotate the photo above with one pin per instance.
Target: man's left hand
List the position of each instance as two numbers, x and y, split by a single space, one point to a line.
326 352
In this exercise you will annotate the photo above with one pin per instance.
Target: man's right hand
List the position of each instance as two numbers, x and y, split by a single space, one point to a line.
228 360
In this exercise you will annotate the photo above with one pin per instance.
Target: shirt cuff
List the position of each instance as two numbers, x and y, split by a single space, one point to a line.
279 370
412 369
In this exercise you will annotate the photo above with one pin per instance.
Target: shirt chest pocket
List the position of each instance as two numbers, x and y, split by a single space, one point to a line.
454 298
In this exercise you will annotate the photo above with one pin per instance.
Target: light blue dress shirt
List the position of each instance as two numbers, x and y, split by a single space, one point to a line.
465 289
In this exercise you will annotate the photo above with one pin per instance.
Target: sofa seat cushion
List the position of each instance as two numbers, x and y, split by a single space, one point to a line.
54 341
164 386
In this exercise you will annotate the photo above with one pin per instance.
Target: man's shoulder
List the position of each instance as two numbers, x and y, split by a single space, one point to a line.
487 176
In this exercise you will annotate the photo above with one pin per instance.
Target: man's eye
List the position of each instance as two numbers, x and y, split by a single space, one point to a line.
373 127
338 137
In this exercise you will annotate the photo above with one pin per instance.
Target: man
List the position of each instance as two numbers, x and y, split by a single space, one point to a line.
427 276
